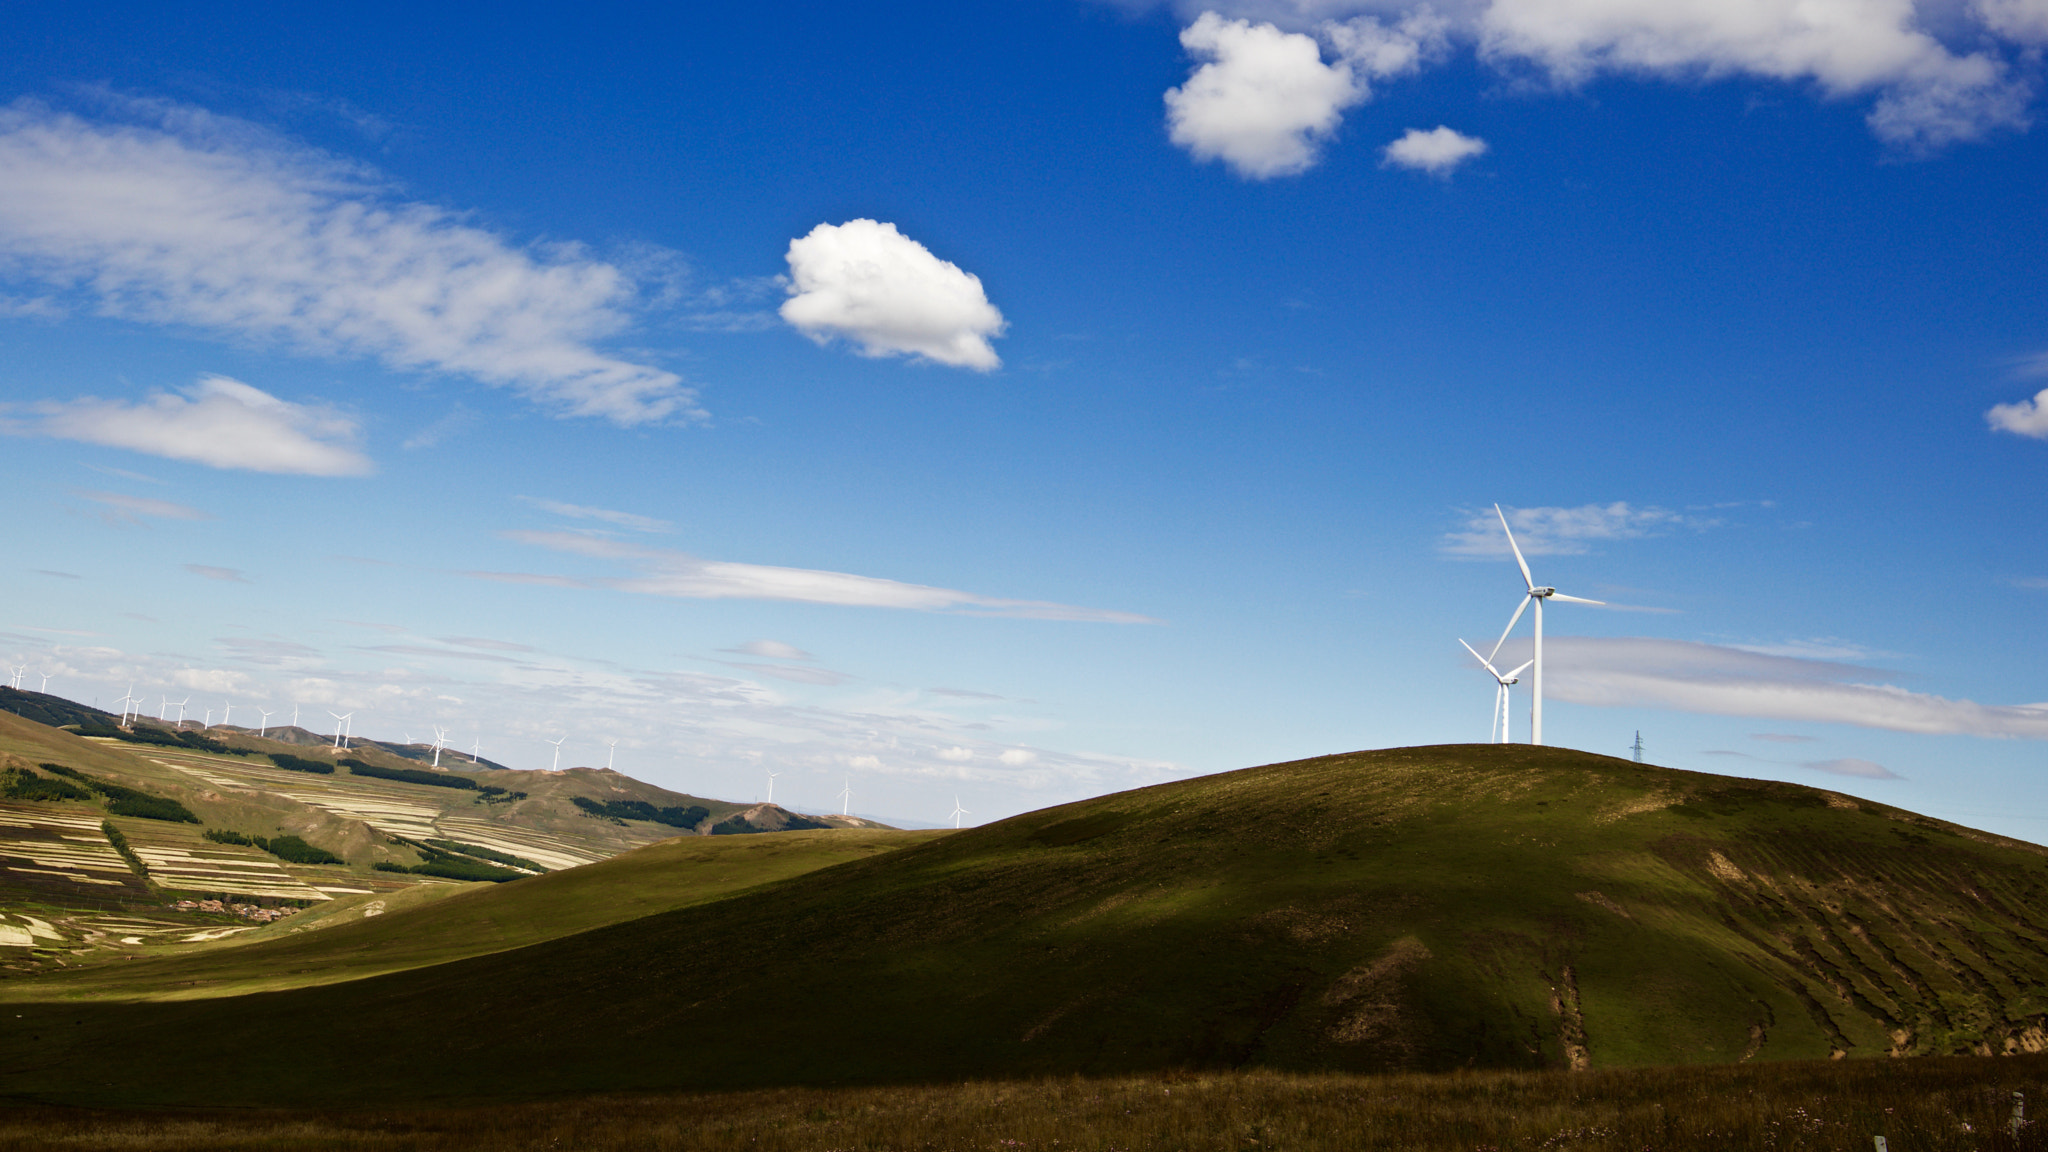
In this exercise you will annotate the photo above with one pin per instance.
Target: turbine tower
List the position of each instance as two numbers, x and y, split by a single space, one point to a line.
771 786
227 709
46 680
1535 596
264 726
611 755
958 811
181 711
15 683
1500 695
338 719
557 742
846 798
440 738
295 715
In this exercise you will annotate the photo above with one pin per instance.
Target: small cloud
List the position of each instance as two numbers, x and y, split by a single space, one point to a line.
489 645
218 422
1558 531
1017 757
2022 418
231 575
865 281
773 649
1782 738
1438 151
956 755
864 762
964 694
1865 769
128 509
53 572
628 520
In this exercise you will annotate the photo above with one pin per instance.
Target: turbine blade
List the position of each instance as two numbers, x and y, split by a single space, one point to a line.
1526 578
1512 621
1519 671
1481 659
1574 599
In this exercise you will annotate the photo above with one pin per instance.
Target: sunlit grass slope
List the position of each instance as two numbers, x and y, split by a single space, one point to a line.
401 931
1427 908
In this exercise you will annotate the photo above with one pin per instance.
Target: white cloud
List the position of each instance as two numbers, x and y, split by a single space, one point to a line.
772 649
230 575
2022 418
1866 769
1560 531
191 219
1264 102
867 282
126 508
1690 677
1438 151
219 422
1017 757
956 755
1924 93
662 572
630 520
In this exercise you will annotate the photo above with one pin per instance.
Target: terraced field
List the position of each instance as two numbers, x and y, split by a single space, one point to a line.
59 851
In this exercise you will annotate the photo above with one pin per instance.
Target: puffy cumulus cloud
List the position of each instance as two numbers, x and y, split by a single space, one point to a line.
185 218
1639 672
2022 418
1924 92
218 422
663 572
1438 151
1264 101
866 282
1556 531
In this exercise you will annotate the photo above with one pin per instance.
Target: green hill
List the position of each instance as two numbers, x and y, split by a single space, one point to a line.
1427 908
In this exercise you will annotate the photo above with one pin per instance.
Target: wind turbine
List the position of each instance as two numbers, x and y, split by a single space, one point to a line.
440 738
46 680
473 746
227 709
181 712
265 727
771 786
295 715
614 746
958 811
163 706
1536 596
1500 695
209 719
16 682
846 798
339 719
557 742
124 701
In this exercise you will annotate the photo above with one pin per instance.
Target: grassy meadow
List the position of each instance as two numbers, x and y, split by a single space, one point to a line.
1925 1105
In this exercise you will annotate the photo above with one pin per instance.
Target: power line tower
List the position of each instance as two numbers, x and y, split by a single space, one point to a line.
1637 747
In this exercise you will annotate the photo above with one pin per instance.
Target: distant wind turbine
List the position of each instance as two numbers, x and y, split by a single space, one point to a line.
181 711
846 798
958 811
1535 596
265 726
163 706
440 738
46 681
227 709
209 719
473 746
16 682
339 720
295 715
557 742
608 756
126 702
771 786
1500 695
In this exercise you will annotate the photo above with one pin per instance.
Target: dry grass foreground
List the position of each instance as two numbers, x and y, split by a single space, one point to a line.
1926 1105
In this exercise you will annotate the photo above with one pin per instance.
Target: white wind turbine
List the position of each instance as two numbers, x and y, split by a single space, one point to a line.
958 811
209 719
46 680
163 706
1535 596
295 715
125 702
846 798
1500 695
611 755
474 745
440 739
557 742
227 709
265 726
181 711
16 682
339 720
771 786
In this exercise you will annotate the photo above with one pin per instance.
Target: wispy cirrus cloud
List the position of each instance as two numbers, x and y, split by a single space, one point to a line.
125 509
211 572
166 214
218 422
664 572
1555 531
1639 672
634 521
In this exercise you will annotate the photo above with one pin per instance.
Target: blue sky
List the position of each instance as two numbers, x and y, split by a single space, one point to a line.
1027 403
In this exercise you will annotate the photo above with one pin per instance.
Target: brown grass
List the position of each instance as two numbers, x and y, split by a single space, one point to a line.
1920 1105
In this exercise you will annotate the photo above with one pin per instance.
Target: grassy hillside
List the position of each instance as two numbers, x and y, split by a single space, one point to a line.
1430 908
390 934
